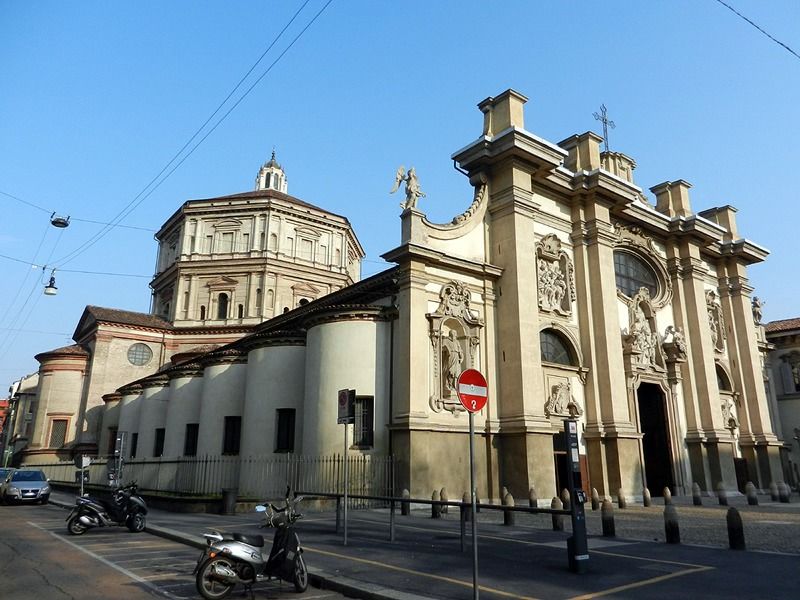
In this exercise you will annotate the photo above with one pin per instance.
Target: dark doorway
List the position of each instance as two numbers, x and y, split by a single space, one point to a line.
560 460
655 443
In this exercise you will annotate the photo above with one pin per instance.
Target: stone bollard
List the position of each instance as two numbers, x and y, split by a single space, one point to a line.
607 518
671 528
697 497
667 496
436 509
503 493
468 508
595 499
784 492
722 495
735 530
405 505
750 492
558 520
443 497
621 501
646 499
565 499
773 491
508 515
533 499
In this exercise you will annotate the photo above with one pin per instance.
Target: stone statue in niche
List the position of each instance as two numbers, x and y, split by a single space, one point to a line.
455 340
561 402
716 323
674 343
728 414
758 310
641 341
452 361
554 276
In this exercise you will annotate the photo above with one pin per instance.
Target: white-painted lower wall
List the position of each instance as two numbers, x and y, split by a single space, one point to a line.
222 396
183 407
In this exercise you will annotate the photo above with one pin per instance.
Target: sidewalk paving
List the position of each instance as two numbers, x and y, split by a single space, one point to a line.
525 561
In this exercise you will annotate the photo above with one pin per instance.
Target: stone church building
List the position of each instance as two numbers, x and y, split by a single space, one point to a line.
561 281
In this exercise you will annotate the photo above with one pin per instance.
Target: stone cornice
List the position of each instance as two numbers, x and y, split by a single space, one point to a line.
227 355
189 369
112 397
157 380
744 251
412 251
541 155
348 312
132 389
272 338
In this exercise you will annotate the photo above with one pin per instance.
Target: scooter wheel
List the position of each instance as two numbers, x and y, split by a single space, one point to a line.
300 575
136 523
75 527
210 587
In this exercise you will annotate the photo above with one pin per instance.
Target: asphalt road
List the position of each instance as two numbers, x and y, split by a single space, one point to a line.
40 561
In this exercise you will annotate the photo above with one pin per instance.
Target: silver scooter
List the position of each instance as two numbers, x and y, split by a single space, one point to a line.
233 558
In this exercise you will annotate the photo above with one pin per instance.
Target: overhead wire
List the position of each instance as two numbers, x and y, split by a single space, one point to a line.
761 29
165 172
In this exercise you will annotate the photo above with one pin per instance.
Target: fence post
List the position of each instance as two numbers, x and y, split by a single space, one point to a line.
391 520
338 511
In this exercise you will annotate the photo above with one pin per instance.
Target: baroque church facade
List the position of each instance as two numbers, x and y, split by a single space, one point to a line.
572 292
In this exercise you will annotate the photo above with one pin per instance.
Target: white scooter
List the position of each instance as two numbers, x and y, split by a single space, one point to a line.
233 558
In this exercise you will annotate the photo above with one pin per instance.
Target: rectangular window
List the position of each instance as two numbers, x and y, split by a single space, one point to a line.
232 435
209 244
245 242
58 433
284 441
158 445
112 440
190 441
306 249
227 242
364 429
134 443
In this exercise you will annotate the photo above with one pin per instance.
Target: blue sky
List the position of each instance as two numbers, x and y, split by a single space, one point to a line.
97 97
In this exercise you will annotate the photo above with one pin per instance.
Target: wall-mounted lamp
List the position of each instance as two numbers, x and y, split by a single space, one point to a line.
50 289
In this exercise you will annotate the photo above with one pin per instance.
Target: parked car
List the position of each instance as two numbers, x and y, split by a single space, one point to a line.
4 473
25 485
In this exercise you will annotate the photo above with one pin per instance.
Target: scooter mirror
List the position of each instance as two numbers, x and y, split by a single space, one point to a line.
261 508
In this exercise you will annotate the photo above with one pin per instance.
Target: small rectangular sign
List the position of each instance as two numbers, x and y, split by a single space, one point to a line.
346 400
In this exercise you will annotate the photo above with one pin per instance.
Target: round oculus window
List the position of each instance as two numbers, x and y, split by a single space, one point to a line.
139 354
634 273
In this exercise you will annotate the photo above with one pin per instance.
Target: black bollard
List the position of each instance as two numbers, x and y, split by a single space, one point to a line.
607 518
671 528
558 520
697 498
735 530
405 505
508 515
750 492
436 508
533 499
646 499
595 499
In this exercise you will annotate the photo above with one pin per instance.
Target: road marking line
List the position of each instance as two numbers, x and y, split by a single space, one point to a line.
122 570
419 573
638 584
655 560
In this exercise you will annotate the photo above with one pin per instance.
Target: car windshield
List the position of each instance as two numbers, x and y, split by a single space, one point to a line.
28 476
4 473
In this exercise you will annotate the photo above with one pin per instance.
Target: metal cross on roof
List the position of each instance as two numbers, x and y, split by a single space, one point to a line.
603 118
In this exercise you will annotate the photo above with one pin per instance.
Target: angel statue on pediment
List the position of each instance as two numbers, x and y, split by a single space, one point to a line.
413 191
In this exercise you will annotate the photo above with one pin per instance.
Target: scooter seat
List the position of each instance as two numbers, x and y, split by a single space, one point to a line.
252 540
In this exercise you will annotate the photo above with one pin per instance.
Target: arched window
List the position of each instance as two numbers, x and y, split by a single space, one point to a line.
555 349
273 242
723 381
202 313
633 273
222 306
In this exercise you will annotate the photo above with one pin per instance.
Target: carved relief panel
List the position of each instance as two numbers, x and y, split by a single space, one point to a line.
555 276
454 332
560 401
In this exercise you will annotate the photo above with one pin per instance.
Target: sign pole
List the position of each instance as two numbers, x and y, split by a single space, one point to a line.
473 493
346 482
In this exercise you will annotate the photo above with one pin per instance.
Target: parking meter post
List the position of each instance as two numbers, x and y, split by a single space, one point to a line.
577 544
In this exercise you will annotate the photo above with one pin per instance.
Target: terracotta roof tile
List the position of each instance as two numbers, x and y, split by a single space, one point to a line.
74 350
128 317
783 325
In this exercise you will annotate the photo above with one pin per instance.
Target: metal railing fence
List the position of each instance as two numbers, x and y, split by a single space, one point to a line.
256 477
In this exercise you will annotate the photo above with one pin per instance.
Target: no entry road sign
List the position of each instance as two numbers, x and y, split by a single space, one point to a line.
472 390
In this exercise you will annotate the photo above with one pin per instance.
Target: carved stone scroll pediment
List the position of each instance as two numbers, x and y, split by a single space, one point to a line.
641 342
555 276
561 402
